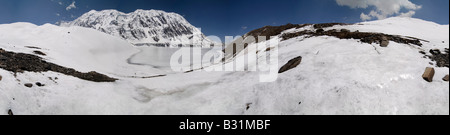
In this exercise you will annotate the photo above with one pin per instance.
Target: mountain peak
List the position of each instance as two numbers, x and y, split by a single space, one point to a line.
144 27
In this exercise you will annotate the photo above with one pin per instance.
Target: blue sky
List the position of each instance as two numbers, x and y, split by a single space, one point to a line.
227 17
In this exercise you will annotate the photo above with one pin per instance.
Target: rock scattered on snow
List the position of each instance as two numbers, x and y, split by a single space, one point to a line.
248 106
366 37
20 62
1 77
10 112
291 64
429 74
442 59
445 78
40 84
29 85
39 53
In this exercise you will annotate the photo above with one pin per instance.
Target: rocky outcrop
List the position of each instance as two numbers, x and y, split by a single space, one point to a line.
365 37
291 64
269 31
441 59
445 78
20 62
429 74
326 25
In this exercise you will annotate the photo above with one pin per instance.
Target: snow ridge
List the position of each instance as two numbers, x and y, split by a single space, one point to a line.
144 27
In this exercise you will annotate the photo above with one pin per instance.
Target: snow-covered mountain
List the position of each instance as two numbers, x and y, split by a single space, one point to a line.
344 70
144 27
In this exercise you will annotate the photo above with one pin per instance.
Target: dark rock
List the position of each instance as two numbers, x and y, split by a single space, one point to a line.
429 74
345 30
10 112
365 37
435 51
441 58
326 25
270 48
1 77
39 53
445 78
320 30
269 31
40 84
20 62
291 64
422 52
32 47
29 85
248 106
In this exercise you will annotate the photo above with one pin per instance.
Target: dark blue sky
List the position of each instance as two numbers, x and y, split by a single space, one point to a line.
215 17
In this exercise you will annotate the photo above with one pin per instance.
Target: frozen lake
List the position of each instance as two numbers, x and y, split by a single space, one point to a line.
159 57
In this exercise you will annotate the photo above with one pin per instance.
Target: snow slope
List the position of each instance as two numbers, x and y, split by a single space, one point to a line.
335 77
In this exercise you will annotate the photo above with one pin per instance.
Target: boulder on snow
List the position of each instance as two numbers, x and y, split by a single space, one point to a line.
29 85
1 77
435 51
445 78
384 41
39 53
429 74
291 64
10 112
40 84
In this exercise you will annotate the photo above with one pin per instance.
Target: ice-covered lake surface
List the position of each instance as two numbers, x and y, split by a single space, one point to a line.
160 57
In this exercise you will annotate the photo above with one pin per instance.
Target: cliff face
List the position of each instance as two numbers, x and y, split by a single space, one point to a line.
144 27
